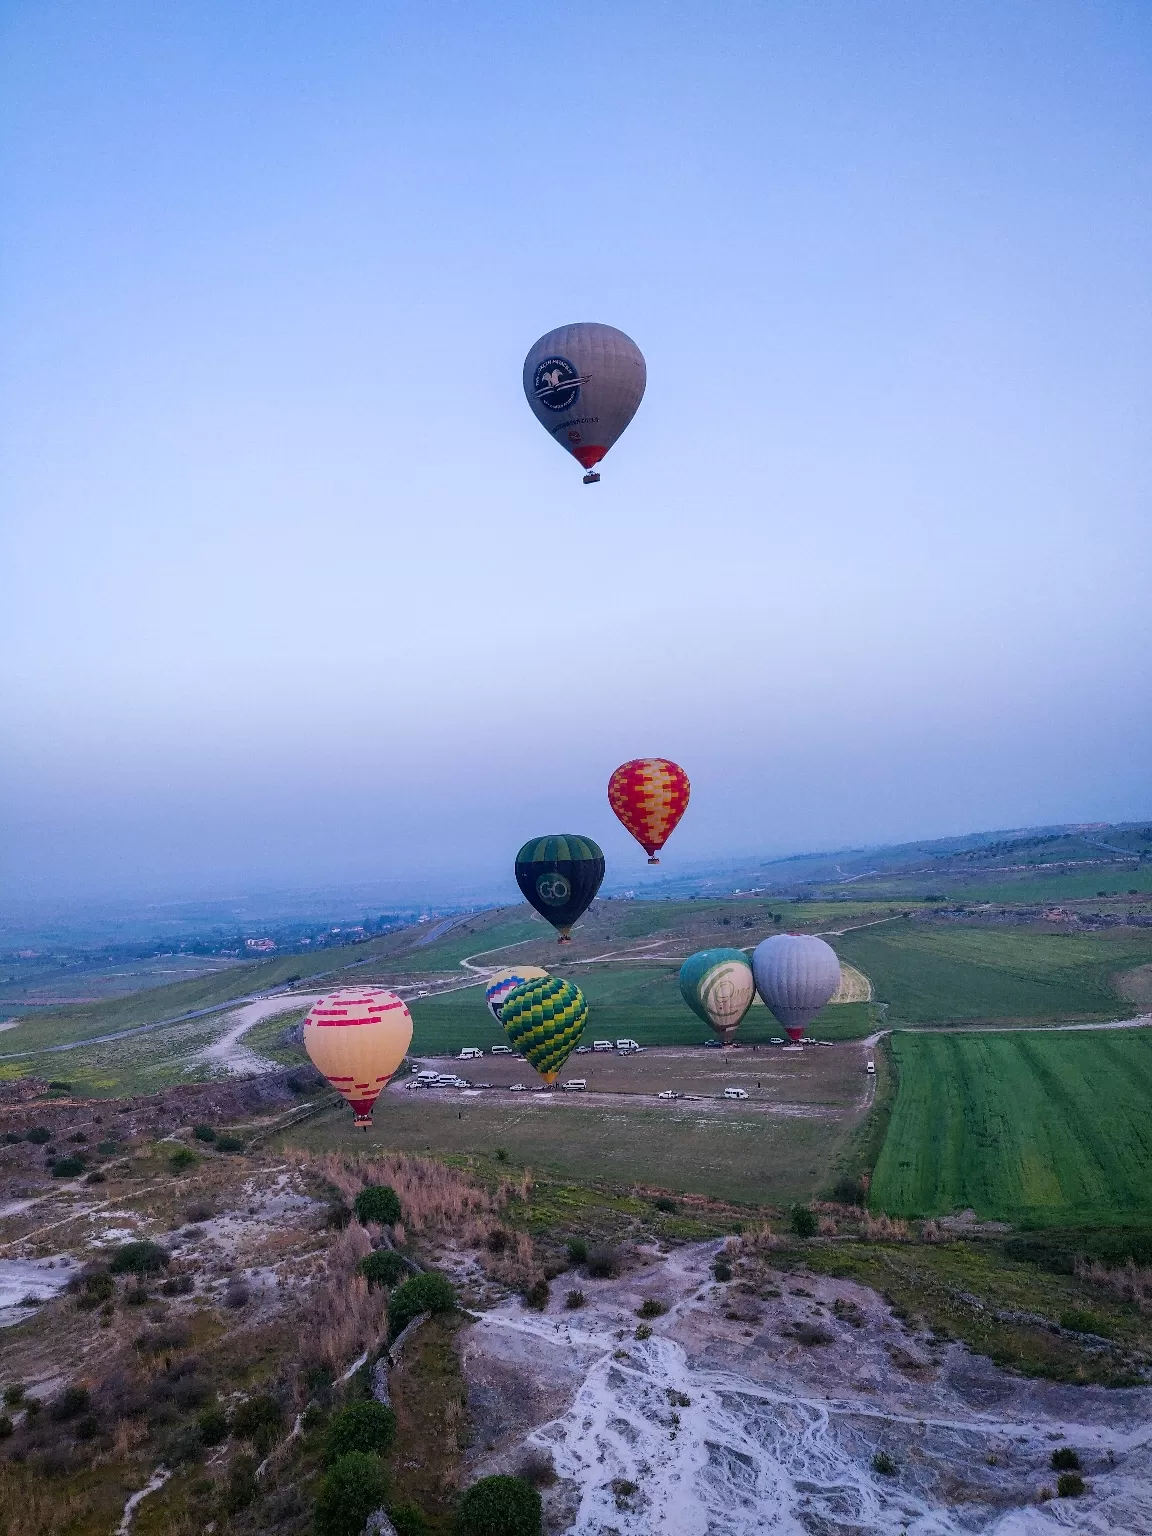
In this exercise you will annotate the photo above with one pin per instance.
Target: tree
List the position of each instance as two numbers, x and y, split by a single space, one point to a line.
368 1427
803 1221
383 1268
423 1293
377 1202
500 1506
352 1489
141 1258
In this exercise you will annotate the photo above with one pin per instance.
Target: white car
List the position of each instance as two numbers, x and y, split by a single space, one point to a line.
502 1050
575 1085
668 1093
776 1040
517 1088
735 1093
582 1050
871 1067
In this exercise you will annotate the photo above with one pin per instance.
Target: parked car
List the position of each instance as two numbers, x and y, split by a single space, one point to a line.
627 1045
669 1093
470 1053
710 1045
575 1085
871 1067
828 1043
735 1093
516 1088
502 1050
426 1078
582 1050
776 1040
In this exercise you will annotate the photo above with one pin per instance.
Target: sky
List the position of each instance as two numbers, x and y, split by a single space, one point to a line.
294 590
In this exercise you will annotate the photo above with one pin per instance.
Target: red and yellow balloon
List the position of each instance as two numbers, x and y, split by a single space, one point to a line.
357 1038
649 795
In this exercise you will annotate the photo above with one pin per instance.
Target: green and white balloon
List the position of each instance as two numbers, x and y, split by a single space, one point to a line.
718 986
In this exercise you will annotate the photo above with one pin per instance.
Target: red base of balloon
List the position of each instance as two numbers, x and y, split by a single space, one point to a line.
795 1035
588 455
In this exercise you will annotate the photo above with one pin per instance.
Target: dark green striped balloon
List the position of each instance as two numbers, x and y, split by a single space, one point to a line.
560 876
544 1019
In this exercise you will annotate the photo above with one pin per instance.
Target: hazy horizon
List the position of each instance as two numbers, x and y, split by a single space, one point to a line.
298 595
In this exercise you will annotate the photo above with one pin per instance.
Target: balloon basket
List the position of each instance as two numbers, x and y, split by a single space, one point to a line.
653 861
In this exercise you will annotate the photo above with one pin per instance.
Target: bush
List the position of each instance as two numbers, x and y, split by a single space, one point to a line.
141 1258
384 1268
213 1426
804 1221
368 1427
257 1413
1065 1459
603 1263
14 1394
379 1203
236 1293
652 1308
1085 1322
339 1215
577 1250
107 1148
69 1405
722 1270
536 1296
242 1488
1070 1485
351 1490
199 1211
96 1177
408 1519
13 1138
500 1506
182 1159
61 1087
666 1205
179 1285
6 1426
229 1144
497 1240
39 1135
67 1167
536 1467
883 1464
203 1133
574 1300
96 1290
643 1332
423 1293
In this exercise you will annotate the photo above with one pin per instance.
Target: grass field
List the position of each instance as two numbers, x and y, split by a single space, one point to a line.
945 974
1074 885
1050 1129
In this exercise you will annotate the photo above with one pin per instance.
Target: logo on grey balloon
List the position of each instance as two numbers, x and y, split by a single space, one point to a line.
553 889
556 383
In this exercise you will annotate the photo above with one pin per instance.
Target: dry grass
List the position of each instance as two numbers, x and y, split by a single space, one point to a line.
435 1199
1129 1282
349 1317
33 1506
884 1229
754 1240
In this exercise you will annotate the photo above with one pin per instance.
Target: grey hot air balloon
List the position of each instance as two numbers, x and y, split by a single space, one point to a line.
796 974
584 383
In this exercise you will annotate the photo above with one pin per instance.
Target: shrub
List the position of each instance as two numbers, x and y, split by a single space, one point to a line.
39 1135
184 1446
96 1177
500 1506
242 1488
577 1250
32 1406
13 1138
14 1394
71 1403
6 1426
61 1087
384 1268
423 1293
236 1293
351 1490
883 1464
536 1296
203 1133
652 1308
213 1425
643 1332
536 1467
97 1289
179 1285
408 1519
67 1167
501 1154
257 1413
107 1148
804 1221
574 1300
1065 1459
368 1427
1085 1322
229 1144
198 1211
377 1202
339 1215
722 1270
665 1204
1070 1485
603 1263
141 1258
136 1295
182 1159
497 1240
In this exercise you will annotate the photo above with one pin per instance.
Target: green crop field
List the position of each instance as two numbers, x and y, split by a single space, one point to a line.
1041 1127
1054 886
641 1003
931 973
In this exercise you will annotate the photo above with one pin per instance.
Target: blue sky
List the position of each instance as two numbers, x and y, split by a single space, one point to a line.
295 590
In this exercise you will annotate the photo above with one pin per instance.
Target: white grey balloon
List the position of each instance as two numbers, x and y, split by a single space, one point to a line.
796 974
584 383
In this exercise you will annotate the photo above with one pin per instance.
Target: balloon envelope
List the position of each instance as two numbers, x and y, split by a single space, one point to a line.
796 974
718 986
501 984
357 1038
560 876
584 383
544 1020
649 795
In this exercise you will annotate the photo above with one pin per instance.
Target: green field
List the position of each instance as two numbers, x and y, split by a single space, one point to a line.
959 974
1049 885
643 1003
1049 1129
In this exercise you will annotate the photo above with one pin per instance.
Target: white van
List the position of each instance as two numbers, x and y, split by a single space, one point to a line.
427 1077
735 1093
871 1067
575 1085
501 1050
627 1045
470 1053
601 1045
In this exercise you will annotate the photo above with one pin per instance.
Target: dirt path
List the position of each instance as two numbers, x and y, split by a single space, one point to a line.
227 1052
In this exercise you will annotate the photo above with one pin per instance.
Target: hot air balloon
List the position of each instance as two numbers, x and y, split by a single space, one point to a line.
357 1038
718 986
584 383
560 877
649 795
501 984
796 974
544 1020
